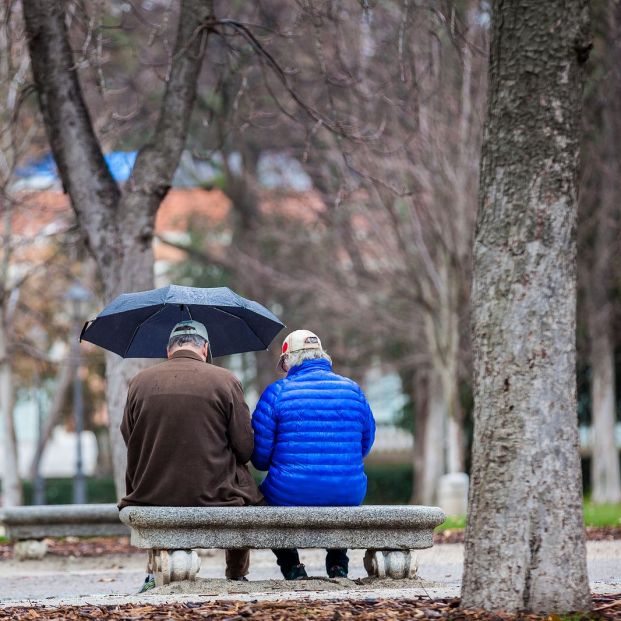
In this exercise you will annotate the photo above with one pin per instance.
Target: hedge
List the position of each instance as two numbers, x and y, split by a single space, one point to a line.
388 484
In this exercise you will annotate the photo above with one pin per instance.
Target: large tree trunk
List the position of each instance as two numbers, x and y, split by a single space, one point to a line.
118 227
137 275
525 543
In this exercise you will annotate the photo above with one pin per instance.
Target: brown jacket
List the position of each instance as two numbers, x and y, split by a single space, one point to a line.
188 435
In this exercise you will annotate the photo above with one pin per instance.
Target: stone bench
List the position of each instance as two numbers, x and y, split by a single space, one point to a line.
28 526
171 534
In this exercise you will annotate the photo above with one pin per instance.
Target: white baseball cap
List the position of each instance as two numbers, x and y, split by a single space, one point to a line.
298 340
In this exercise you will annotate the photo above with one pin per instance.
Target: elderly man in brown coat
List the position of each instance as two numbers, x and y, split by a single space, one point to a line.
188 435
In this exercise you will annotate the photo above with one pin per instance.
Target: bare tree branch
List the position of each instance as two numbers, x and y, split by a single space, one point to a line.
94 193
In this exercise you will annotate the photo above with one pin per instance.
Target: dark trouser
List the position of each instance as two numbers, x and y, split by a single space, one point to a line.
237 563
288 557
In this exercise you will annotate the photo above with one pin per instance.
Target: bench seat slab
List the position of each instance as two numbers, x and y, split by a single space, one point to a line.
39 522
376 527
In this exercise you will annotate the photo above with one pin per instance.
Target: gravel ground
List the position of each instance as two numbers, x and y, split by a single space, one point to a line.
115 578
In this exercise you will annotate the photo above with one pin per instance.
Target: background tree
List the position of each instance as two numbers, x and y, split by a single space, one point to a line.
14 140
599 236
117 223
394 171
525 543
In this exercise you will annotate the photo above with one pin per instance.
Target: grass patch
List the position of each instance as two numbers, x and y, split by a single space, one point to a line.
594 515
602 515
452 522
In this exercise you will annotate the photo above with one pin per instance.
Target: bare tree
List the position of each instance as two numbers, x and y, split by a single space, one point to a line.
412 190
525 542
117 222
14 139
599 233
392 152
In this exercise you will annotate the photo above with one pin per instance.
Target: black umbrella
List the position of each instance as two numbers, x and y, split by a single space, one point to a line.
137 325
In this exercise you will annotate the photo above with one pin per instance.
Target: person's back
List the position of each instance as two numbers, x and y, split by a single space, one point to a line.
312 429
324 430
188 435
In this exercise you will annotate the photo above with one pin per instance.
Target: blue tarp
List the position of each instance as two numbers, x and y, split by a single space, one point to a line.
275 170
120 164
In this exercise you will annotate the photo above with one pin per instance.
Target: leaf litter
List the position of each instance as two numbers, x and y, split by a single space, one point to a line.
605 608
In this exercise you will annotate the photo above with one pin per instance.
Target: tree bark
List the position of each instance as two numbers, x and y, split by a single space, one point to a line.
118 226
525 543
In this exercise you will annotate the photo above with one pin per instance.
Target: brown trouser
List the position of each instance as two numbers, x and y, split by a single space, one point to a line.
237 563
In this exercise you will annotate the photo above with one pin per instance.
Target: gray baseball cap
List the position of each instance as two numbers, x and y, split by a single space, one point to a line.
195 328
190 327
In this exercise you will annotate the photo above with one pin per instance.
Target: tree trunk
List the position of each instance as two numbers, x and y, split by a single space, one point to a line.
525 543
442 334
414 384
137 275
605 480
104 466
11 484
433 439
63 383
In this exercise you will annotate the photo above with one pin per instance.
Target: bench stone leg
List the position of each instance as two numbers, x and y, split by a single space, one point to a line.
390 564
29 549
173 565
370 564
397 564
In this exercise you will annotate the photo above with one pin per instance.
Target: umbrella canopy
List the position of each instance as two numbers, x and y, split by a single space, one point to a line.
137 325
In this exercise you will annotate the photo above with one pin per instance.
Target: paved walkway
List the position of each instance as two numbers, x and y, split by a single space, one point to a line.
115 578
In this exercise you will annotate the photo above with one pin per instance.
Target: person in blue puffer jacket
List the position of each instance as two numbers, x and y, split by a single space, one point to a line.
312 429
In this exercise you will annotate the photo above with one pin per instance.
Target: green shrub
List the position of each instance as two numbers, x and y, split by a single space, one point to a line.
388 484
59 491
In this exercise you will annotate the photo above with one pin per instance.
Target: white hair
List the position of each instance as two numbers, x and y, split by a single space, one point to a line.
298 357
194 340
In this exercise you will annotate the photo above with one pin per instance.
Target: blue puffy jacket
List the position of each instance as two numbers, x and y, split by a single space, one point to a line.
311 431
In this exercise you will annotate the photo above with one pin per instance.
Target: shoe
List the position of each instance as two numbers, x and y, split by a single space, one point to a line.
297 572
149 583
239 579
337 571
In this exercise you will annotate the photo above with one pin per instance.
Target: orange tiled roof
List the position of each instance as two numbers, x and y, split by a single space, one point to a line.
39 211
